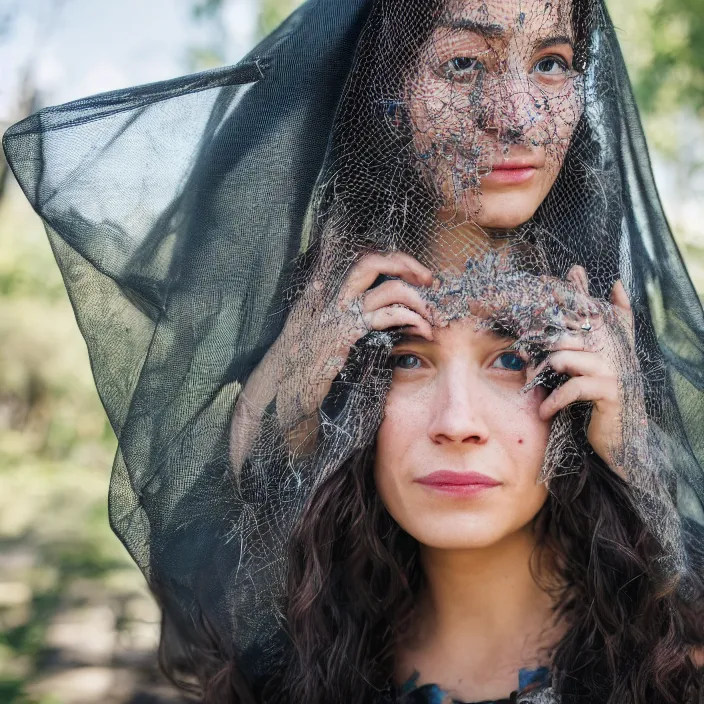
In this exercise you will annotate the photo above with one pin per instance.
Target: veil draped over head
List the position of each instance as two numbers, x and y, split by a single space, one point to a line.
186 217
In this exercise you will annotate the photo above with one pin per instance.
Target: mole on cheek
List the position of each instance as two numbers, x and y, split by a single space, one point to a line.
520 441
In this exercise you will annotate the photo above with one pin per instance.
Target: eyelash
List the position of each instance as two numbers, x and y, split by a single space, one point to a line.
469 73
397 357
462 75
515 355
559 60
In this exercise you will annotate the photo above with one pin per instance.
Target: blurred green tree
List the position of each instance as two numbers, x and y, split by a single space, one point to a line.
662 42
27 100
273 12
674 75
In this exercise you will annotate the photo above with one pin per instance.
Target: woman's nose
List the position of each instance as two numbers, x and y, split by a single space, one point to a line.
506 106
458 413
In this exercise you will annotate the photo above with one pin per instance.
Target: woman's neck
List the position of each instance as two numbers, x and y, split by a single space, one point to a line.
480 619
454 242
491 589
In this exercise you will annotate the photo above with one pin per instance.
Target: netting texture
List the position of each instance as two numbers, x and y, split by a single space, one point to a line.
209 230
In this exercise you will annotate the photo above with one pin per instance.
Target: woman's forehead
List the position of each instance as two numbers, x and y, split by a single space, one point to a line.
497 18
461 334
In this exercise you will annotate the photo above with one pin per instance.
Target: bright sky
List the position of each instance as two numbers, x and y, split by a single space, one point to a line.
92 46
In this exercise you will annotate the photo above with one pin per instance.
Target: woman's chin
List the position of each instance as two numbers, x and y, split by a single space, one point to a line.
484 534
477 541
506 219
502 211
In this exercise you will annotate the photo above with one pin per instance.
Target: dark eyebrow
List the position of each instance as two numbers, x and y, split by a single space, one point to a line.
552 41
486 30
410 337
504 330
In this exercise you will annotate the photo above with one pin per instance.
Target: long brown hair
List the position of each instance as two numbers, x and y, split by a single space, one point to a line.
354 575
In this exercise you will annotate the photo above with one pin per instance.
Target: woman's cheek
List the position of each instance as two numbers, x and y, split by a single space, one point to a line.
523 423
563 113
431 115
402 423
538 431
394 444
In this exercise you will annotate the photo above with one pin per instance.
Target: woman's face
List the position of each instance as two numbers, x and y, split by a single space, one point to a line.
493 107
460 449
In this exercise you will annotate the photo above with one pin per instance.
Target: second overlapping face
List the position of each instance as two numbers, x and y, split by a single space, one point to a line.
493 105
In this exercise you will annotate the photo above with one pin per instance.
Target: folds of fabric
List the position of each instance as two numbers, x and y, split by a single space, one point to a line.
176 212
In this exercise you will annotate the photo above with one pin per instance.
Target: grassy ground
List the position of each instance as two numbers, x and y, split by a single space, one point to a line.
76 622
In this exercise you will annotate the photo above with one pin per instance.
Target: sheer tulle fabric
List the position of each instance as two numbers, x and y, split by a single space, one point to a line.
190 217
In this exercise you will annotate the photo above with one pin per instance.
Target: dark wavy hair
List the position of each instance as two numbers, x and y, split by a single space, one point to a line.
354 576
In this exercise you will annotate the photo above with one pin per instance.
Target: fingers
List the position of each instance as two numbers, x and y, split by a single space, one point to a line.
395 303
395 292
622 304
370 267
578 276
398 316
572 295
575 363
581 388
619 298
603 333
584 329
594 341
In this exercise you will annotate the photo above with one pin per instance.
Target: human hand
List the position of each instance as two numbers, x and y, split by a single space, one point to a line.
598 355
325 324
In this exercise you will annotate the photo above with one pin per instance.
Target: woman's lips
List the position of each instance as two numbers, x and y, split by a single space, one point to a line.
462 483
512 174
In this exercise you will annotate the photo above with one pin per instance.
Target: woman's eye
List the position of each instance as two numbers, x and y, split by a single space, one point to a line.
510 361
407 361
462 68
551 66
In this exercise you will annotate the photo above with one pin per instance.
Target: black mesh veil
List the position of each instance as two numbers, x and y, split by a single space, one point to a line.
187 217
